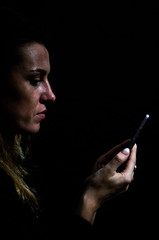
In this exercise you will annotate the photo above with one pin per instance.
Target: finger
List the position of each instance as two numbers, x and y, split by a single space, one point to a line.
131 163
105 158
118 148
119 159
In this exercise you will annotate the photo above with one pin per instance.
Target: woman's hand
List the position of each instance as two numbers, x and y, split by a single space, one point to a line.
107 180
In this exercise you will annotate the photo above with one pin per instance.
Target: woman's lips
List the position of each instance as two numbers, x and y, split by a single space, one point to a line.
41 115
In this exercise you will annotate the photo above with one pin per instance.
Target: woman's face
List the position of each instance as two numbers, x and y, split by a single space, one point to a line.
28 89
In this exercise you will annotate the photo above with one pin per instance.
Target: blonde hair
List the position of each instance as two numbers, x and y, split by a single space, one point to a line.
12 157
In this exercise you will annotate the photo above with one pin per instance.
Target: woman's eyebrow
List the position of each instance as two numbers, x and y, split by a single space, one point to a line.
40 70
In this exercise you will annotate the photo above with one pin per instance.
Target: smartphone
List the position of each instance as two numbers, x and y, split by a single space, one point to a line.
139 130
135 138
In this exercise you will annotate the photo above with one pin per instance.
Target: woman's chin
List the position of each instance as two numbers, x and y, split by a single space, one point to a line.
33 129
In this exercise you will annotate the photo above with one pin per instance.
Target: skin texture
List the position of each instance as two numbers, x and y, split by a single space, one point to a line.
29 88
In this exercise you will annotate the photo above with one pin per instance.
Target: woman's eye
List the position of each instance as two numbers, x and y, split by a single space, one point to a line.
35 81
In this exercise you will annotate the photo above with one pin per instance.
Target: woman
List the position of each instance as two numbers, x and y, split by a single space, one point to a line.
24 94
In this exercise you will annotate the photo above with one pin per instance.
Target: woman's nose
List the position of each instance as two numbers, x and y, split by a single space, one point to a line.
51 96
47 94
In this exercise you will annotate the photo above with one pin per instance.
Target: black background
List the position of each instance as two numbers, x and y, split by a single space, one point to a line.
105 76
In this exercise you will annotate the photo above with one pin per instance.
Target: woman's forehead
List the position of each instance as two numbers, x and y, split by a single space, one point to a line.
35 56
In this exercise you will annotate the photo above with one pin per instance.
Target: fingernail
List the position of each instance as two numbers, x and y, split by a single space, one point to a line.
126 151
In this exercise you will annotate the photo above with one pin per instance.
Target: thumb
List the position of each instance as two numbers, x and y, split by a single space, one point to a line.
119 159
126 151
